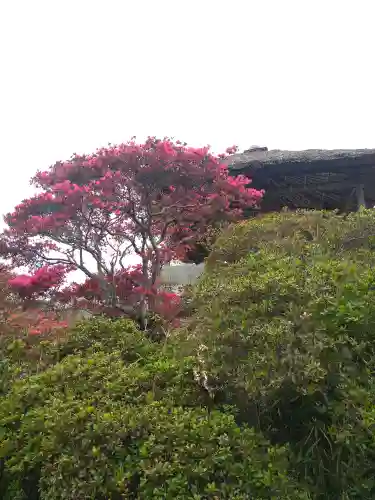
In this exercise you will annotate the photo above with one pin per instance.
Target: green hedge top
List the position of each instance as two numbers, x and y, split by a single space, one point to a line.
284 328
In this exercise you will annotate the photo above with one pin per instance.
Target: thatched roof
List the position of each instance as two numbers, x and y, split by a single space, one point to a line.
307 159
313 178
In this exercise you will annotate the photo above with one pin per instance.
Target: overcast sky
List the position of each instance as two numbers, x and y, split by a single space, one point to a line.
76 75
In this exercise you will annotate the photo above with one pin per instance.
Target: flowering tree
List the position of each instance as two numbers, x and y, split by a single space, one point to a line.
42 282
152 200
19 313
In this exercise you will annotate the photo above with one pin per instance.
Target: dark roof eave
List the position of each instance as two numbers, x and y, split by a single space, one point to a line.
308 160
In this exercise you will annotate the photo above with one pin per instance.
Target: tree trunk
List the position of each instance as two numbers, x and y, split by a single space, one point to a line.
144 306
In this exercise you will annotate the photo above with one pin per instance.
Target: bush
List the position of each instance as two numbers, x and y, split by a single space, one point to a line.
285 329
118 417
25 354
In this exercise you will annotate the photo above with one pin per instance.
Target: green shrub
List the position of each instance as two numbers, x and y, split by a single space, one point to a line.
292 232
24 355
119 417
285 330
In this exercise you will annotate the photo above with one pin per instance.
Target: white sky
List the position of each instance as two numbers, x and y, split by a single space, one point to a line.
76 75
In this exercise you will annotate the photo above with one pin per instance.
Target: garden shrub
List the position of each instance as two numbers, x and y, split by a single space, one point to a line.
284 328
323 231
26 354
117 416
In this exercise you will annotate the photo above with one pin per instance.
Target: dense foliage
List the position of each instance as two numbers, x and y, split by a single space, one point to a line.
115 416
284 327
153 200
267 392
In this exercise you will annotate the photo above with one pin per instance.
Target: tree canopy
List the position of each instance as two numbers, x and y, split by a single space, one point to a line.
153 200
